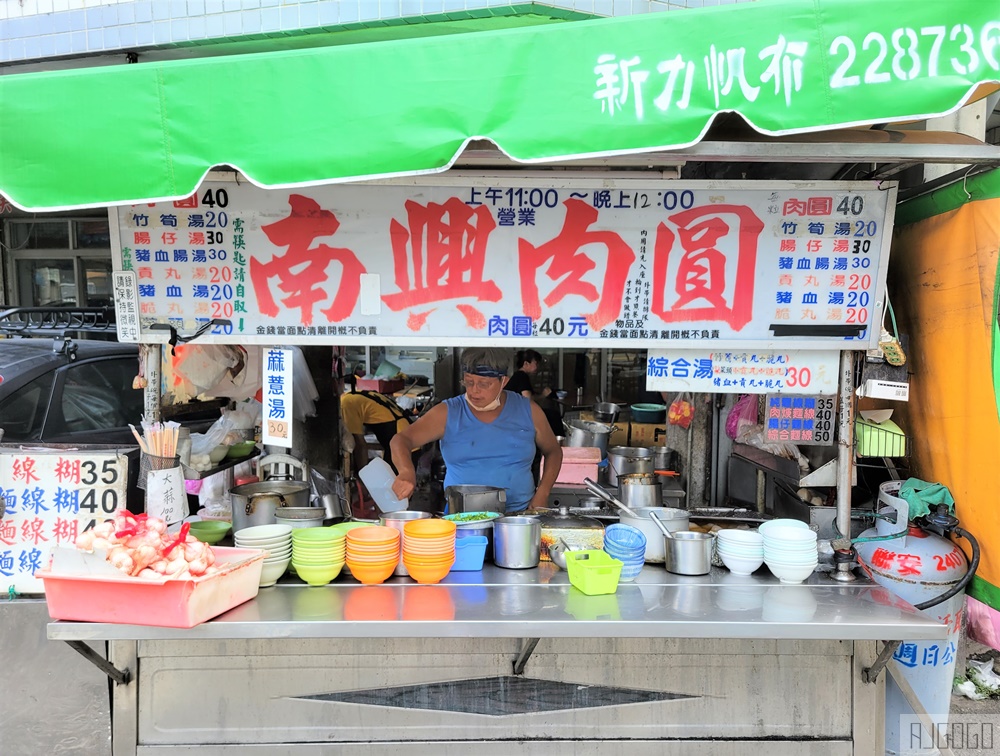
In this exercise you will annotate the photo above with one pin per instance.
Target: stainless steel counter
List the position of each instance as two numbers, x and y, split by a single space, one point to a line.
540 603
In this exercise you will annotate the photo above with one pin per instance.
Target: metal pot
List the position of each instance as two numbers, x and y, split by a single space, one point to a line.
665 458
300 517
686 552
623 460
639 495
575 530
476 499
255 503
673 519
517 542
587 433
606 412
396 521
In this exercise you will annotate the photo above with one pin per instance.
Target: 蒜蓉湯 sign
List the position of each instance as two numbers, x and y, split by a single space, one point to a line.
493 261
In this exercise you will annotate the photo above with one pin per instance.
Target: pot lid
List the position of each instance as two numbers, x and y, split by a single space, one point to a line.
563 518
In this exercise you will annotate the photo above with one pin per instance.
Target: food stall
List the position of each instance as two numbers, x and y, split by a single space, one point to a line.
721 281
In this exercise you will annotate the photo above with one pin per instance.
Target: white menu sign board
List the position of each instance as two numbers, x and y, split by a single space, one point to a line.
277 397
743 371
51 496
516 260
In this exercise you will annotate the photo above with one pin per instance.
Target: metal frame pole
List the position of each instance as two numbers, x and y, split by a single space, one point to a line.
845 448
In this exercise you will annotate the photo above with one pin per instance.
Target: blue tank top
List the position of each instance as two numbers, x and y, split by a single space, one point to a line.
491 454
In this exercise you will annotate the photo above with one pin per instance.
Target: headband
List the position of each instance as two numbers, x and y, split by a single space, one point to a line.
486 371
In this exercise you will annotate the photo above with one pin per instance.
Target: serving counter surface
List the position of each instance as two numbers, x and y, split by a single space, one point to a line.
540 603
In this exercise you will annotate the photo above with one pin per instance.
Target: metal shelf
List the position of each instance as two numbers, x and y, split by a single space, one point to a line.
228 464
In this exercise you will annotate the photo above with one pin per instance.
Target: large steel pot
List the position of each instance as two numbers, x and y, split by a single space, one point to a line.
636 494
588 433
623 460
673 519
577 531
517 542
396 521
255 503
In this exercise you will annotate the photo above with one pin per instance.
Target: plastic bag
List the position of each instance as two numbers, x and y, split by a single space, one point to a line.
203 443
681 411
744 412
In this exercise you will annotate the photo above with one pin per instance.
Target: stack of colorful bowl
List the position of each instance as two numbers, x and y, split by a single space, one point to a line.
790 552
742 551
428 549
372 553
628 545
276 540
317 554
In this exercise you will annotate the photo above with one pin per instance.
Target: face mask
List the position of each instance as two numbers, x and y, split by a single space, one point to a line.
492 405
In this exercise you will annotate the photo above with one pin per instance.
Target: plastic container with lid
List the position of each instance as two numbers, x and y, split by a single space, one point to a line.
578 532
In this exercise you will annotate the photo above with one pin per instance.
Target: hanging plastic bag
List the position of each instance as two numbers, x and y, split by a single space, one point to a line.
743 413
681 411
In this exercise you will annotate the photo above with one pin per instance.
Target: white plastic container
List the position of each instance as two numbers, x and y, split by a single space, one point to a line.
378 478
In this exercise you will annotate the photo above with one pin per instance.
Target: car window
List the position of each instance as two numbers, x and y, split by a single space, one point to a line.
96 396
22 414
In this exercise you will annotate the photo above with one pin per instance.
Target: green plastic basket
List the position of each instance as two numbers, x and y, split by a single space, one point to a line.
593 572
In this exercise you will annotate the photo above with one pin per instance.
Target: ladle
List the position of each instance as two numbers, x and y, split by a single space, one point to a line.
660 525
594 488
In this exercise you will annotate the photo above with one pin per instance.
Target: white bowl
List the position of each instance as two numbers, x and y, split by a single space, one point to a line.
790 573
770 559
740 538
278 554
782 522
789 535
262 532
741 565
796 555
740 550
272 571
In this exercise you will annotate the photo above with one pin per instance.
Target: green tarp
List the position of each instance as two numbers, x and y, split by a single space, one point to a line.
601 87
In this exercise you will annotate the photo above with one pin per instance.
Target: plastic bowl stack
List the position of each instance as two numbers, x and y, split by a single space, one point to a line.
317 554
276 540
628 545
372 553
428 549
742 551
790 551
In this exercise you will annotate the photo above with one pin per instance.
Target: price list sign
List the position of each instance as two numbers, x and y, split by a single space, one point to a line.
277 398
743 371
582 262
49 498
803 420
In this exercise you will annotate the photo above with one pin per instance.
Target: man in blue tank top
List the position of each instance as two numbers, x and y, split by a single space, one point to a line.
488 435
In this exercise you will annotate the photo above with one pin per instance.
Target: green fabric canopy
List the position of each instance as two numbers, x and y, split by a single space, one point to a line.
103 136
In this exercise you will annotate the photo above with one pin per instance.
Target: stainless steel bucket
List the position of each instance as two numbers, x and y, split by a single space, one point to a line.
255 503
623 460
396 521
688 552
587 433
476 499
606 412
517 542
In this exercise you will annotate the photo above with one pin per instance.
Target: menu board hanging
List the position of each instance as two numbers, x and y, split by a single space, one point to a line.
49 497
593 263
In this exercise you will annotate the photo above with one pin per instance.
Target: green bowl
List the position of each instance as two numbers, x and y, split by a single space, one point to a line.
241 449
210 531
314 575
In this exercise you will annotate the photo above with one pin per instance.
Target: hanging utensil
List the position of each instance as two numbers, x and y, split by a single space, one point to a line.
608 497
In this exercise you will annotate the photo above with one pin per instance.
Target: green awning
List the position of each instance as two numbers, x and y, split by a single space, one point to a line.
604 87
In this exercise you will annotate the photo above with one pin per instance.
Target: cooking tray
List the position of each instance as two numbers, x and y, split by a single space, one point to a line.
731 514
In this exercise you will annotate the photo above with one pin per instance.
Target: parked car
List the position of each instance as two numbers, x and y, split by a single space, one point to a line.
75 392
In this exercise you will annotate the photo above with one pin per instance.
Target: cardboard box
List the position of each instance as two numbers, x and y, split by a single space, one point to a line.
382 385
647 434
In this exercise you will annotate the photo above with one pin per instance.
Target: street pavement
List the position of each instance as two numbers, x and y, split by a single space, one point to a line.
975 725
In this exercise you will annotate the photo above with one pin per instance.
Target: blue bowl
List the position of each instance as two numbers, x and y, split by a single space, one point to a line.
630 571
624 536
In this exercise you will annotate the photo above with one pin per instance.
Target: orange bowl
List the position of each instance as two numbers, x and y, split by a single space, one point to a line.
428 575
375 535
375 561
426 562
429 528
384 548
372 574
